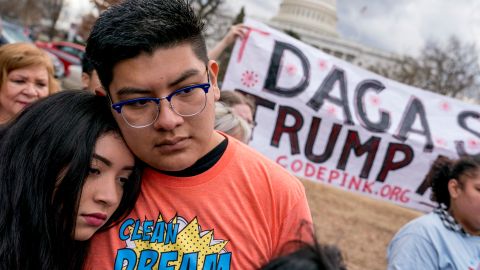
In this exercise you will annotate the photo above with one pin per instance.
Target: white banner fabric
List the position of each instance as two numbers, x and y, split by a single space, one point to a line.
329 121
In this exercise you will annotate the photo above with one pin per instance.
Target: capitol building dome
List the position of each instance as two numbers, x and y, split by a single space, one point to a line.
315 16
315 22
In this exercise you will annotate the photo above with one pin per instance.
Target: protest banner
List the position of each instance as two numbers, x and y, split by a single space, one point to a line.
327 120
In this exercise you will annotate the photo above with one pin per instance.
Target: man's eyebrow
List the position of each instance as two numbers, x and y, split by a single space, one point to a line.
132 90
185 75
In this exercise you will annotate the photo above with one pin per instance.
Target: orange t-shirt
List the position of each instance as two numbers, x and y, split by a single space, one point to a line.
239 214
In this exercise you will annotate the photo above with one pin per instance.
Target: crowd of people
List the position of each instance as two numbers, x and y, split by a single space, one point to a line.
106 176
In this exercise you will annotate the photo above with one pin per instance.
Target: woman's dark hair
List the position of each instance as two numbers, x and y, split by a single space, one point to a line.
309 257
307 254
45 156
444 169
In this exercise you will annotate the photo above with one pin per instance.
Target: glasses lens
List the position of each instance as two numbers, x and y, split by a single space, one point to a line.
140 113
189 102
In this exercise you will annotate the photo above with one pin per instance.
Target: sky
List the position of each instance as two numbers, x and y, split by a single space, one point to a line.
398 26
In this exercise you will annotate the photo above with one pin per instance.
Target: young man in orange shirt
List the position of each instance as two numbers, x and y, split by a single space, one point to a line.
207 200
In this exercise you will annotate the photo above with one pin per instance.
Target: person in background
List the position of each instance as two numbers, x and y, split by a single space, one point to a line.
2 38
309 257
26 75
235 31
207 201
241 105
448 237
229 122
66 173
90 80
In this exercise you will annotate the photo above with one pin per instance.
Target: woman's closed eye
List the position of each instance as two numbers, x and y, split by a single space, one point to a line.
94 171
123 180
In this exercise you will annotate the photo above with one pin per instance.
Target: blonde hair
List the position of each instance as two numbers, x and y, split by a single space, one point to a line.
20 55
227 121
232 98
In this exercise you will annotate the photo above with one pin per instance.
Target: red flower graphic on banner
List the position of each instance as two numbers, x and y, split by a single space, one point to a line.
249 78
375 100
291 69
445 106
473 143
331 110
440 142
322 64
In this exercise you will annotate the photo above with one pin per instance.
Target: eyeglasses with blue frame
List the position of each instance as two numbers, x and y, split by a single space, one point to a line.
142 112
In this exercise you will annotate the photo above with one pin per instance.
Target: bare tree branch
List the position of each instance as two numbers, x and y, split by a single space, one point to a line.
88 20
451 69
206 8
51 10
101 5
26 12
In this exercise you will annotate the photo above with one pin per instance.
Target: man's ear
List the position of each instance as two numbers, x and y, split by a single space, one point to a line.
213 70
85 80
453 188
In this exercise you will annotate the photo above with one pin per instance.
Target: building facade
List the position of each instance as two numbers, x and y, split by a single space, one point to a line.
315 22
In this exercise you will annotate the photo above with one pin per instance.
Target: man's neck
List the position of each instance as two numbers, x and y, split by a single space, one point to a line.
204 163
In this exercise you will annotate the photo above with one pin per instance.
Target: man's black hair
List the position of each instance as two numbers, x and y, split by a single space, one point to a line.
132 27
87 65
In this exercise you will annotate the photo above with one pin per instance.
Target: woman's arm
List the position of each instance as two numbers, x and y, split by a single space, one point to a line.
235 31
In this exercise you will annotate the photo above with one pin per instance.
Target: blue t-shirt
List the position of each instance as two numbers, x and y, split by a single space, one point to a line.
425 243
